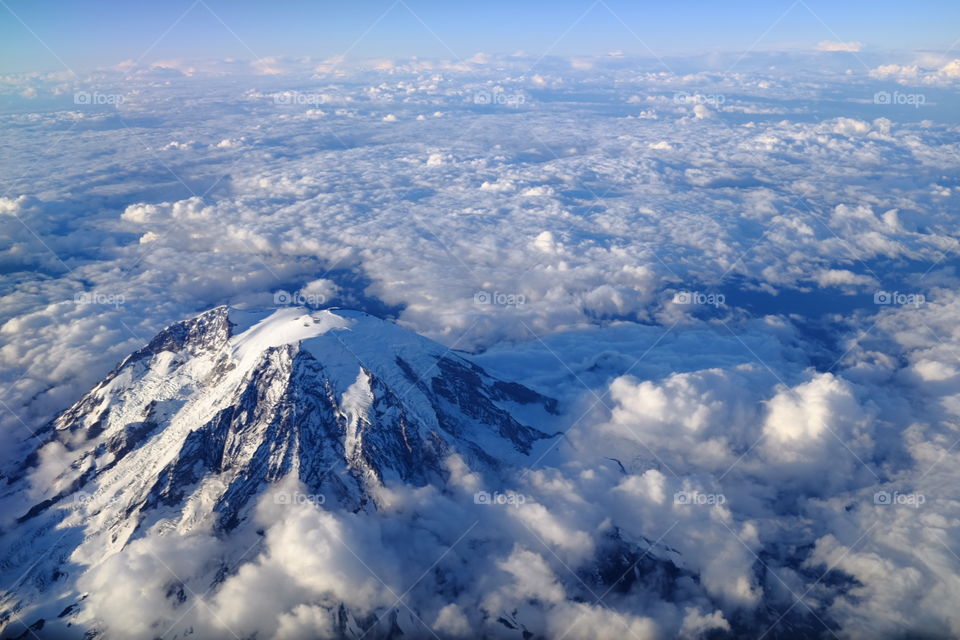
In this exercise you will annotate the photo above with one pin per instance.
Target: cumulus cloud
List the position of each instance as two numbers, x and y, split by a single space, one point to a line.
833 45
147 585
932 71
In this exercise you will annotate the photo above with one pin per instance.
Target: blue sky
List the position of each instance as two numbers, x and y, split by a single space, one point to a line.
33 35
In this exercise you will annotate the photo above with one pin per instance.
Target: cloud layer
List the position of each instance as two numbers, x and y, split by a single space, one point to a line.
740 284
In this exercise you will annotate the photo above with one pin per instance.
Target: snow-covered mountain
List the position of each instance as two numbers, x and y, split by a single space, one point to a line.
187 432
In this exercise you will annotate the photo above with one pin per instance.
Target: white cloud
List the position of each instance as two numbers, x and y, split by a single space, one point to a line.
794 420
935 71
696 624
832 45
452 622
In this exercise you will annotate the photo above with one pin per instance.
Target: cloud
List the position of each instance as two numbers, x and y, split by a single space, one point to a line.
697 624
832 45
554 236
936 71
451 621
143 587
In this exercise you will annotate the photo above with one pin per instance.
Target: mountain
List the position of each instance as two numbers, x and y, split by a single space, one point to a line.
191 429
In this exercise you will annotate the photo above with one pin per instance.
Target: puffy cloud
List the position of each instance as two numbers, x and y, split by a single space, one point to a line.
840 277
147 585
696 624
532 579
703 417
305 621
850 126
451 621
935 71
582 621
832 45
310 555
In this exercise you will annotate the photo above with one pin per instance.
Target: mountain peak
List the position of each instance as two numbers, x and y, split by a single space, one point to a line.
187 432
208 330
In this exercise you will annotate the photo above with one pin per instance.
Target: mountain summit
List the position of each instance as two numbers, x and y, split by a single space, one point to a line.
188 431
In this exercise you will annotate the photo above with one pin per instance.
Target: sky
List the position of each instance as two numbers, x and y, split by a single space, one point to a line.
47 36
